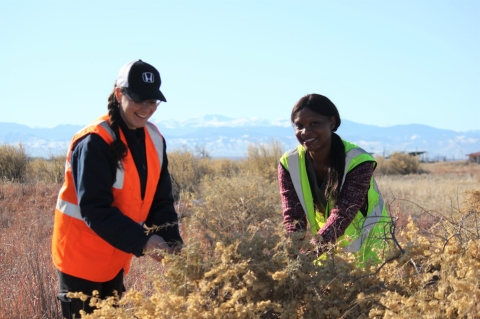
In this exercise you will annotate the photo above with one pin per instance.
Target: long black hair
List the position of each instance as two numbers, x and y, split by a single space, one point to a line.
336 166
118 149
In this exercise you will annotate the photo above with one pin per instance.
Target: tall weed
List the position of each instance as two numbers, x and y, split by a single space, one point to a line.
50 171
262 159
233 205
186 170
13 163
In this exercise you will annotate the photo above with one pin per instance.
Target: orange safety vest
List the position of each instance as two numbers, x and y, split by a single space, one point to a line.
76 249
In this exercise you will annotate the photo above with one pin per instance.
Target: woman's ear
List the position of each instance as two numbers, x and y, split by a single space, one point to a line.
332 123
118 94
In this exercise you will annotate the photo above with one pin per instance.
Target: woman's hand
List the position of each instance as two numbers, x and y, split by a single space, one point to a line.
319 246
177 249
154 244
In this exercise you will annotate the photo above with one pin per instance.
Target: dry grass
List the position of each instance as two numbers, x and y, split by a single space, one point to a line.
238 263
426 197
27 276
459 168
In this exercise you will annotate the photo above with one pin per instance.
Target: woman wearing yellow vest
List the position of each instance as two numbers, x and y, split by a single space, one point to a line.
116 184
327 185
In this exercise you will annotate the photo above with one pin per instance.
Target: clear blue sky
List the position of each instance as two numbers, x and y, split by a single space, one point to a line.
381 62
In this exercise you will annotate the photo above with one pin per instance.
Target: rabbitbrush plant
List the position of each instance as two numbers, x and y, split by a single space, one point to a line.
257 271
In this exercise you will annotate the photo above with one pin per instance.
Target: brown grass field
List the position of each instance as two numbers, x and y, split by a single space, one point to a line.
238 263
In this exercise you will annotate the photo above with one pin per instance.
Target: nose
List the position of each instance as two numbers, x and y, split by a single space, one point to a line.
305 130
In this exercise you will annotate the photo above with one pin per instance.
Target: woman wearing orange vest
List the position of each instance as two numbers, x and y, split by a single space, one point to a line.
327 185
116 186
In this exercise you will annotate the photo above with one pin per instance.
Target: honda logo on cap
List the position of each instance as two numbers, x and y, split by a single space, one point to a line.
147 77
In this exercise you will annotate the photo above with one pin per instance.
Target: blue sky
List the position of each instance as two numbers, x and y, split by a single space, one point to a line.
380 62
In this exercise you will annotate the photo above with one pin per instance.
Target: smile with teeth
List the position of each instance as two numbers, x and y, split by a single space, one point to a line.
142 116
309 140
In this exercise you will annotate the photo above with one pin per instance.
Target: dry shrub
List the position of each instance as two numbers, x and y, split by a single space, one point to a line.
252 276
234 204
224 167
261 273
262 159
398 164
186 170
438 276
50 171
13 163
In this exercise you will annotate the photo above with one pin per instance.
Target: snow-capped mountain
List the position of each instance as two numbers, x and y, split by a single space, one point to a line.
221 136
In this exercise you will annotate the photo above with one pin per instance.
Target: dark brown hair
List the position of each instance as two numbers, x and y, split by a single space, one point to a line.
118 149
336 167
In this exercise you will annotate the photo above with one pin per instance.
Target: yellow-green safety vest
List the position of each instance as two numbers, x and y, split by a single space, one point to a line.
368 231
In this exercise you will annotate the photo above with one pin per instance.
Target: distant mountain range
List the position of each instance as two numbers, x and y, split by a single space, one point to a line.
221 136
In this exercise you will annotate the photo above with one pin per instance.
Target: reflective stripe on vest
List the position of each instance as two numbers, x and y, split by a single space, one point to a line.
370 221
294 169
348 158
69 209
157 141
73 210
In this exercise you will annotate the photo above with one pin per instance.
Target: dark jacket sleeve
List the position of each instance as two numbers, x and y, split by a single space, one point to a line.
162 213
94 175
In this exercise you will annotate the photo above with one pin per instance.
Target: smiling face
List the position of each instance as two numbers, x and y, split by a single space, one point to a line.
313 131
134 114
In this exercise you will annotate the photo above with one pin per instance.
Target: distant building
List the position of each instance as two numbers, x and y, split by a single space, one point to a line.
421 155
474 157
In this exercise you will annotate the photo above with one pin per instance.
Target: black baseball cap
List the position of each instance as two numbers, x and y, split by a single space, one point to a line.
141 81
